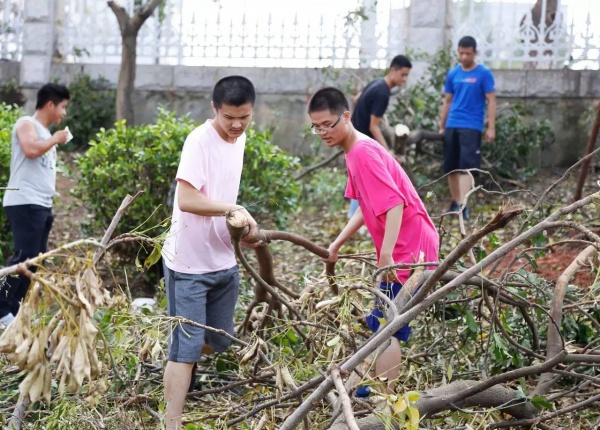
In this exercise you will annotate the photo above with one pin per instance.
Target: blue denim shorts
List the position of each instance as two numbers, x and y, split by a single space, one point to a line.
391 290
208 299
462 149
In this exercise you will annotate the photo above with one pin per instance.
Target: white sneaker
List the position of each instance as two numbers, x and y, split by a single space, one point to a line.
6 320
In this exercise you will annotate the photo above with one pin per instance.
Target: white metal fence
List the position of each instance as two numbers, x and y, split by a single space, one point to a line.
316 33
11 24
266 33
532 33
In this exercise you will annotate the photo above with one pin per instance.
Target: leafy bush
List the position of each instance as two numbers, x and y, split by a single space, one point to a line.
324 190
268 189
126 159
92 107
10 93
517 140
419 106
8 117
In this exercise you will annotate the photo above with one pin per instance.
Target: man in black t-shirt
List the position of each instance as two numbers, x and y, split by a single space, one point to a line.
372 102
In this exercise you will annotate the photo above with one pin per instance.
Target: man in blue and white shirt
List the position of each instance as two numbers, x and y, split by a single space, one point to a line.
468 87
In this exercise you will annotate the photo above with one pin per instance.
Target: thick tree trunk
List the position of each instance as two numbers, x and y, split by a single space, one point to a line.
129 27
124 103
434 401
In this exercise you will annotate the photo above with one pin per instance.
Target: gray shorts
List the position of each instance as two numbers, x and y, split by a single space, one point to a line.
207 299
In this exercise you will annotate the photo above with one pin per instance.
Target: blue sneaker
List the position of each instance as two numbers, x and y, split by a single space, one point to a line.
363 391
465 213
453 207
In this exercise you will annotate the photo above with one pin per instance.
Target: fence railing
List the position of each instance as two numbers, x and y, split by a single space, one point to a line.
11 25
268 33
315 33
531 33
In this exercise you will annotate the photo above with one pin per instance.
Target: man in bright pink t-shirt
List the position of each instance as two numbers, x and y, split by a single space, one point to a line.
389 206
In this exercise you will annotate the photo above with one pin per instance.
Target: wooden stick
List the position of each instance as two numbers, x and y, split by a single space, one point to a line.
16 419
585 166
344 398
125 204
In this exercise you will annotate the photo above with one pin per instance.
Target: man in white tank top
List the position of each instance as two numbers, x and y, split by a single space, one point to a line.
31 187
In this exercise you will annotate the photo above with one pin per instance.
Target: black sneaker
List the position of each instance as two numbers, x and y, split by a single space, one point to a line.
465 213
453 207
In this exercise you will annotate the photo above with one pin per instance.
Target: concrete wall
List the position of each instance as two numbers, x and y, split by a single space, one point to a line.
561 96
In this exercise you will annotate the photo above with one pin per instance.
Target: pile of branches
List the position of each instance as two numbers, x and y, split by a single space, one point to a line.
302 349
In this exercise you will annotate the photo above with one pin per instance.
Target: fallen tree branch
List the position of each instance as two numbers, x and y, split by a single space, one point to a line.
318 165
433 401
418 302
554 185
344 399
125 204
16 419
585 166
11 270
546 417
555 340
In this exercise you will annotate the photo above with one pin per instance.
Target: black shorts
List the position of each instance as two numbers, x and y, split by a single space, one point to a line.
462 149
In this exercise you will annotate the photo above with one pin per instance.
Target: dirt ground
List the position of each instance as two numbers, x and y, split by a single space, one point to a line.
68 213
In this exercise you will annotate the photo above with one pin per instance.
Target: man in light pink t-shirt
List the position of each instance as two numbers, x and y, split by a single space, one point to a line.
201 274
389 206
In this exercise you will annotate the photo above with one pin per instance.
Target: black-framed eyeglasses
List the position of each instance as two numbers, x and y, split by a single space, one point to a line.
323 130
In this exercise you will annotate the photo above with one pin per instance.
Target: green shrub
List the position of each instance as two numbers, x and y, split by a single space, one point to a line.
324 190
92 107
126 159
268 189
8 117
10 92
517 141
419 106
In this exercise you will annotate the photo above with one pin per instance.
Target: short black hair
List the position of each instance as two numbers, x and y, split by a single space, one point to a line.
328 98
400 61
467 42
54 93
233 91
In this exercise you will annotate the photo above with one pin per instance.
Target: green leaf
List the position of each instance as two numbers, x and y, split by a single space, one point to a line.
334 341
494 242
413 423
413 396
471 323
540 402
480 253
154 256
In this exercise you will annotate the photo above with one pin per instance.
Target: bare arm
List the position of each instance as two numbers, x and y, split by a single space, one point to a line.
352 227
490 134
191 200
31 145
445 110
393 221
376 131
